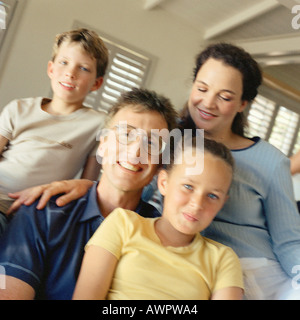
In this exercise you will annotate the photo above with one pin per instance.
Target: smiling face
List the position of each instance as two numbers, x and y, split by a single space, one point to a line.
215 97
192 201
73 74
133 170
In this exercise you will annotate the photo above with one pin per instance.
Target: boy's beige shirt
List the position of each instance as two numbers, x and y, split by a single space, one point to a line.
43 147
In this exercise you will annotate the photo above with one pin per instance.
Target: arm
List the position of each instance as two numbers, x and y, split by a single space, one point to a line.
73 190
283 218
231 293
295 163
16 289
91 169
3 143
7 123
96 274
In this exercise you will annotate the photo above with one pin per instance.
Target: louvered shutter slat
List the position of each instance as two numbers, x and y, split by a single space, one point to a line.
260 117
284 129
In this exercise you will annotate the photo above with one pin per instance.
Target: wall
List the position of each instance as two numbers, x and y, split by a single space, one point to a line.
173 44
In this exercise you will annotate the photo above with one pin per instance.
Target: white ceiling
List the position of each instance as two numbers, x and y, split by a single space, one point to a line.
213 18
262 27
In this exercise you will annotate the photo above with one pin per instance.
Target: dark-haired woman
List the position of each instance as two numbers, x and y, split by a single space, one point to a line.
260 220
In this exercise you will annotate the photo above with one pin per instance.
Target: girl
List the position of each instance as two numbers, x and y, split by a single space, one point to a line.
130 257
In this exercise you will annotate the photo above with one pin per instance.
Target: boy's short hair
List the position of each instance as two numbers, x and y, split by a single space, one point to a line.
142 100
90 42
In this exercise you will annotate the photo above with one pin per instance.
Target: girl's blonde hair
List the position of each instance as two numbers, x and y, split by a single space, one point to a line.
215 148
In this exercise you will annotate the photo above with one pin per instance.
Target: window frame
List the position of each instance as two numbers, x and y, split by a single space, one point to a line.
116 47
280 100
7 39
10 8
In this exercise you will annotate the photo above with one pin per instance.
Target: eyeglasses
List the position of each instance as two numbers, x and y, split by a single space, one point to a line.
153 144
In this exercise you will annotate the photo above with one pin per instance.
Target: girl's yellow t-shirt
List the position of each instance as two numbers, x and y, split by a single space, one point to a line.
148 270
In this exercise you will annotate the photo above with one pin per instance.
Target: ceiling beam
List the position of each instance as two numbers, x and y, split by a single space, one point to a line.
281 86
283 49
150 4
289 3
240 18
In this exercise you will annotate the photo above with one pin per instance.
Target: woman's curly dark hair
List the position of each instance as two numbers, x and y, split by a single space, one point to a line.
239 59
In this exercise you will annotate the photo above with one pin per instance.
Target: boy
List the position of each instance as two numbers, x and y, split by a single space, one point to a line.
42 140
42 250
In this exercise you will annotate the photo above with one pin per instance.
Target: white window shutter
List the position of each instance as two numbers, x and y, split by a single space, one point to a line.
127 69
7 9
274 123
260 117
2 16
284 129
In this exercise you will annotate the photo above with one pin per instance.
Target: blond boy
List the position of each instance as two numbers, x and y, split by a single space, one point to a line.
42 140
